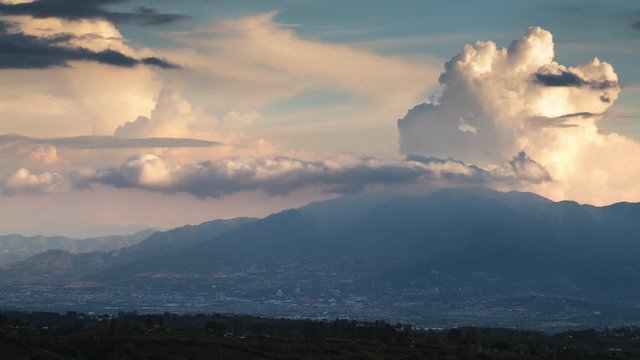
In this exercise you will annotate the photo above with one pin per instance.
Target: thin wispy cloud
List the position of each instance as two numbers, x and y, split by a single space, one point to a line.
106 142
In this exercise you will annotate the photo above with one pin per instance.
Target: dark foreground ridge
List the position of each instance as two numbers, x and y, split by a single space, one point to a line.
169 336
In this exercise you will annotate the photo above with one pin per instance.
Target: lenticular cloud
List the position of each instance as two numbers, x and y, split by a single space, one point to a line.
499 104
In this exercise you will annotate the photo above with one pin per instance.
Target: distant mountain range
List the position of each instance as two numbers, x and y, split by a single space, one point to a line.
14 247
60 266
456 256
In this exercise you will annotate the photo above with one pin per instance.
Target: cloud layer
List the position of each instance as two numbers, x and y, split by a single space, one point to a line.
103 142
282 175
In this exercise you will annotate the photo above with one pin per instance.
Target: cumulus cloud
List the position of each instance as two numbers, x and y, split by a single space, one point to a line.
528 170
45 154
497 91
175 116
14 149
282 175
141 127
497 102
24 182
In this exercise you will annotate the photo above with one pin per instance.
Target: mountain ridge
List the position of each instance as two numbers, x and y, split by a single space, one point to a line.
16 247
402 255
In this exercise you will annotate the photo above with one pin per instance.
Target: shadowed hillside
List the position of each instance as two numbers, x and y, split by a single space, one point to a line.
452 257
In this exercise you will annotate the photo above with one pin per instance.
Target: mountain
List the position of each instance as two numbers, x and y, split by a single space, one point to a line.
510 243
179 239
455 256
14 247
64 267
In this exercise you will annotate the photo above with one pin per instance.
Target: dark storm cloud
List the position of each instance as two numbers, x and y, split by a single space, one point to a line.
636 25
89 9
20 51
569 79
565 78
154 61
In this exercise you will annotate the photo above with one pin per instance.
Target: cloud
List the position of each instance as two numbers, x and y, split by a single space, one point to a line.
257 62
234 66
264 49
87 9
45 154
636 25
103 142
69 104
497 102
497 91
24 182
133 129
21 51
173 115
66 54
568 78
282 175
527 169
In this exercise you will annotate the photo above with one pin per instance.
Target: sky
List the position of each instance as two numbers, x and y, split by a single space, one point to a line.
119 115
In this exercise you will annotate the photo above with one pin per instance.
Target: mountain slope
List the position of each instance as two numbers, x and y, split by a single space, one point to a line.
451 254
61 266
14 247
513 243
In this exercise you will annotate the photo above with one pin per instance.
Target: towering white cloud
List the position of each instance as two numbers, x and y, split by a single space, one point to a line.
497 102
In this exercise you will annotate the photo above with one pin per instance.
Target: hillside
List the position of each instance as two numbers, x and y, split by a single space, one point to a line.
452 257
14 247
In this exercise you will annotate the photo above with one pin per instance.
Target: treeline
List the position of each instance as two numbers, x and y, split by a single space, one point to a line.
214 324
203 336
